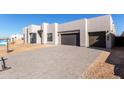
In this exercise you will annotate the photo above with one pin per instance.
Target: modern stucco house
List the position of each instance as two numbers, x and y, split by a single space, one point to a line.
16 37
92 32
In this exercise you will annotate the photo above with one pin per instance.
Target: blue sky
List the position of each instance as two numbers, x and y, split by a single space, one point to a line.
13 23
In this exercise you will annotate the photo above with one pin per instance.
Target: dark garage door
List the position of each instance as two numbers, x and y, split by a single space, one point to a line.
70 39
97 39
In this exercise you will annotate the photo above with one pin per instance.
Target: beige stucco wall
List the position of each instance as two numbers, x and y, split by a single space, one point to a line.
102 23
74 25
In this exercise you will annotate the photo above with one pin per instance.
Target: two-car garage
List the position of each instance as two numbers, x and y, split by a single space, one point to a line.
93 32
96 39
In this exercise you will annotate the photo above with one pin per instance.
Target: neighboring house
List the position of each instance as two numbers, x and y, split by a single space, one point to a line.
14 38
92 32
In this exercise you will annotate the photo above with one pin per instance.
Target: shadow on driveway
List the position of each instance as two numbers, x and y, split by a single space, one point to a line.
116 58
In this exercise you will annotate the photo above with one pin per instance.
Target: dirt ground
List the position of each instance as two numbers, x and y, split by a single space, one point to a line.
19 46
109 65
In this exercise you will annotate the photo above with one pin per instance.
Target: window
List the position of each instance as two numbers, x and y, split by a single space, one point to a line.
49 37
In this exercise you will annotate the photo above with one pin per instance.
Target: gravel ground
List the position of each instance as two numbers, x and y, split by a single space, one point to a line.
58 62
109 65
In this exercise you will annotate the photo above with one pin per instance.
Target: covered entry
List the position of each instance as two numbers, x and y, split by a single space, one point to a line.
97 39
70 39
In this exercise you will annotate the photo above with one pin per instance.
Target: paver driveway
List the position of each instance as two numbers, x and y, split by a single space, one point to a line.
51 62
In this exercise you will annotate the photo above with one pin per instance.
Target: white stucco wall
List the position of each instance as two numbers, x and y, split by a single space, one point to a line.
83 33
56 34
53 28
114 29
32 29
86 34
44 34
25 34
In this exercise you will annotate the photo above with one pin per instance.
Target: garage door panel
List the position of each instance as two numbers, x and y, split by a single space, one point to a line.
97 39
70 39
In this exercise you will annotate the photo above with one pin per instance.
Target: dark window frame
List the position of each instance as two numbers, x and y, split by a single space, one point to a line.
49 37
